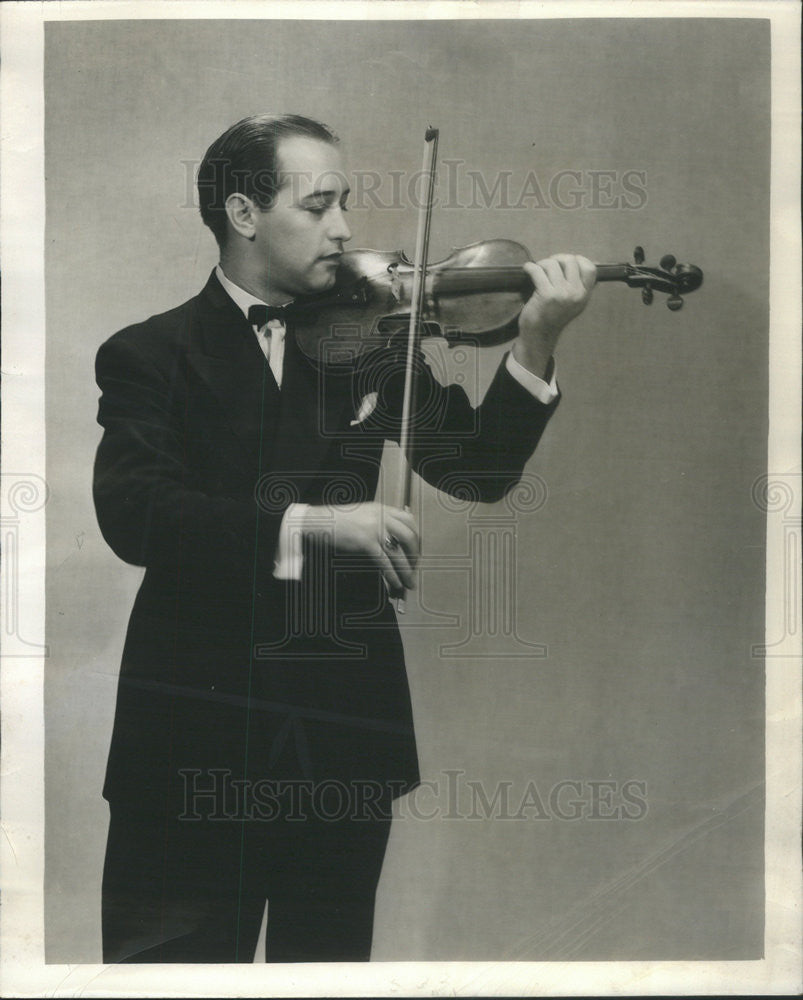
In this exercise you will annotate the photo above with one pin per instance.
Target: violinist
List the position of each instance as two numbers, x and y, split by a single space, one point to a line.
263 723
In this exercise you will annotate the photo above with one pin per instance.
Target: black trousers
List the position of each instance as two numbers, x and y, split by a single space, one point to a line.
184 890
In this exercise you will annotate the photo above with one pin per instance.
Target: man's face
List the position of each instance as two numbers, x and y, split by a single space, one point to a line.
301 236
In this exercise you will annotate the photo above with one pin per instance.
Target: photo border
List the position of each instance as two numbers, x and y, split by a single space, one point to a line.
23 971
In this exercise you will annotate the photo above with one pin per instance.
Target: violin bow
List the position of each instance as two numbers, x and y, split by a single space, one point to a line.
404 486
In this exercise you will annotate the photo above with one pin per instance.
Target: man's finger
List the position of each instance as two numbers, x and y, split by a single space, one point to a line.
571 269
588 271
406 536
576 264
392 579
402 515
402 563
553 270
540 278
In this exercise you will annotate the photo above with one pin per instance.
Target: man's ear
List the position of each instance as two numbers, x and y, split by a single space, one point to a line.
241 212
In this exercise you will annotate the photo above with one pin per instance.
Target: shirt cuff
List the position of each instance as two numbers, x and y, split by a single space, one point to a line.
289 561
544 392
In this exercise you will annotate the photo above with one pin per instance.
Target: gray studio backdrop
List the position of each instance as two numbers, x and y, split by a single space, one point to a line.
594 748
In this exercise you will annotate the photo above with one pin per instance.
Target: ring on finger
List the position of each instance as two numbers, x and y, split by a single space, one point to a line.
391 542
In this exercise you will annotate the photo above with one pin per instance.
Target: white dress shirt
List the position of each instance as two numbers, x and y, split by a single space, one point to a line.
270 337
289 558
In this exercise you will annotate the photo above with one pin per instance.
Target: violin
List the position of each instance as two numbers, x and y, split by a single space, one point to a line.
472 296
475 294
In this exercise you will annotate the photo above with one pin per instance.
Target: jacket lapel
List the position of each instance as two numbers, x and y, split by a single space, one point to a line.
225 355
312 408
289 431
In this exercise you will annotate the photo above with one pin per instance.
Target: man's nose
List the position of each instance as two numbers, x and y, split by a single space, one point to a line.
339 230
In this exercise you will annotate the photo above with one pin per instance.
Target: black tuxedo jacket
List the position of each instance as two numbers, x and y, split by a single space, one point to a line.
226 668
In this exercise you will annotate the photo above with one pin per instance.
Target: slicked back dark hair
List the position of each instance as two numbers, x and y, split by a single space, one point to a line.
243 161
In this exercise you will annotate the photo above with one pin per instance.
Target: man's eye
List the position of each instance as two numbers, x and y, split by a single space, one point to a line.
323 209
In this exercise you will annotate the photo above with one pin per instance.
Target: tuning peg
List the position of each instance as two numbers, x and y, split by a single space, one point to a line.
674 302
638 255
646 296
668 261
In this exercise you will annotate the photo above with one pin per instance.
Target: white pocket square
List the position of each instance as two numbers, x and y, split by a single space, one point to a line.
367 407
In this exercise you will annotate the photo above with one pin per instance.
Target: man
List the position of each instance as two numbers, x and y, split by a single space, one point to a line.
263 668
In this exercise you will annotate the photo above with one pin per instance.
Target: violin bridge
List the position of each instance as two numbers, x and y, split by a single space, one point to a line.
396 286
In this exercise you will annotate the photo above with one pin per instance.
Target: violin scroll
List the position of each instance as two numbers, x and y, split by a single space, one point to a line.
670 277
